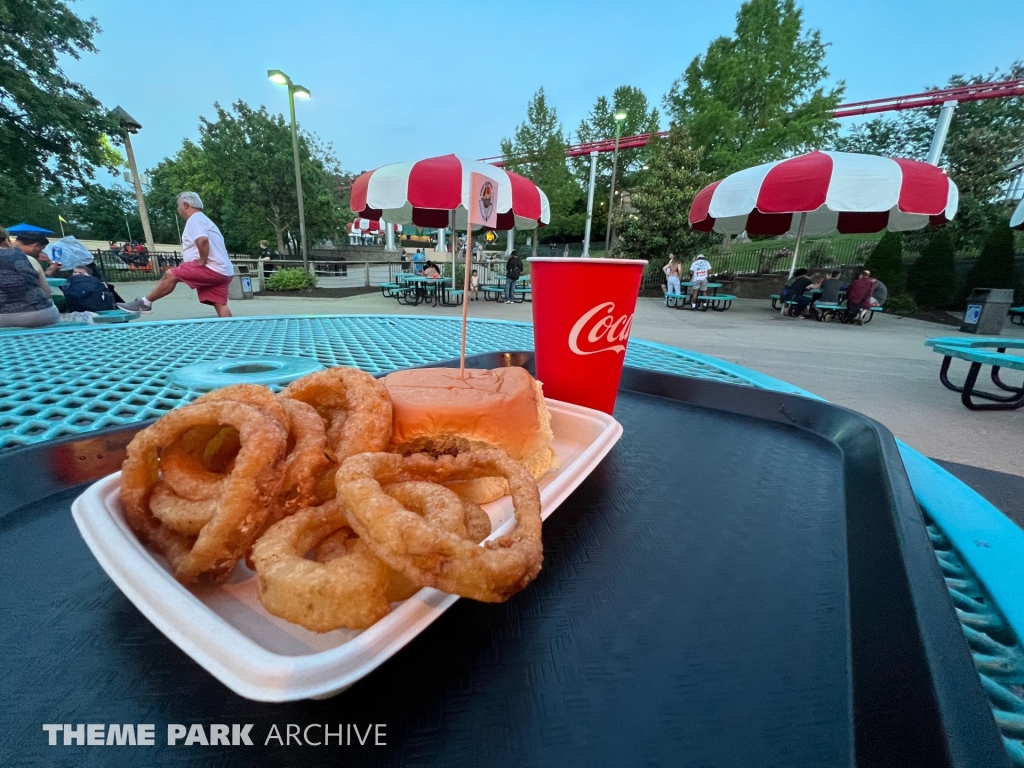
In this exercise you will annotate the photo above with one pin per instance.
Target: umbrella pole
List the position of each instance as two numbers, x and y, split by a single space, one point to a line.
454 240
465 288
796 252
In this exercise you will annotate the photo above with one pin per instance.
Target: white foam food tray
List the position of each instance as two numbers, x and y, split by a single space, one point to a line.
226 630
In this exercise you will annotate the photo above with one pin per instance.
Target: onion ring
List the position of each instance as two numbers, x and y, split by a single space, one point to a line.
427 555
348 590
184 516
356 407
441 507
196 466
243 506
306 462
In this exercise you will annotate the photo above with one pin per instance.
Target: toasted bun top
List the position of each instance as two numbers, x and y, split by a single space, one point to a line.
501 407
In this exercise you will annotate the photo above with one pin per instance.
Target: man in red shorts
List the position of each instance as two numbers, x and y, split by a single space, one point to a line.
205 268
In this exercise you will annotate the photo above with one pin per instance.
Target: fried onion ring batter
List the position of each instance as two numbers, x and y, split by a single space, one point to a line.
356 407
428 555
348 589
243 506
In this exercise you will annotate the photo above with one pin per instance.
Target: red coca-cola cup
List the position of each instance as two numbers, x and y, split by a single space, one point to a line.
582 312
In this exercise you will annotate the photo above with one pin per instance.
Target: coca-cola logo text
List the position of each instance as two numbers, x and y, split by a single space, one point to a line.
601 324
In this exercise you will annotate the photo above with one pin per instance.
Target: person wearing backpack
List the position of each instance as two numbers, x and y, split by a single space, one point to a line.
87 293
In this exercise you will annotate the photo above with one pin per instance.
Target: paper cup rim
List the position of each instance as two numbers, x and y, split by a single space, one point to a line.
581 260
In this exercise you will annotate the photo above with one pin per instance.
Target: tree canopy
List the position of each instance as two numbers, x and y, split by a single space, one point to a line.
51 129
759 95
537 151
657 224
598 125
243 168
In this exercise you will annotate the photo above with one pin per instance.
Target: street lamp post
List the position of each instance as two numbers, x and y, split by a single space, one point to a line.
619 117
130 125
279 77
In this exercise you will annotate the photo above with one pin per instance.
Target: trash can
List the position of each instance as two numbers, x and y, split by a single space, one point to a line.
986 311
240 287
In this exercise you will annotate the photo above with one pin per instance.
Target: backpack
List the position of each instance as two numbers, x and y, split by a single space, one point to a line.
85 293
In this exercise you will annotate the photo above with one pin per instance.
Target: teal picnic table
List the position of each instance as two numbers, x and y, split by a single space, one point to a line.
978 351
56 388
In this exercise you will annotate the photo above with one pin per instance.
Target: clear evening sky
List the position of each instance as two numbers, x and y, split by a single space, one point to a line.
402 80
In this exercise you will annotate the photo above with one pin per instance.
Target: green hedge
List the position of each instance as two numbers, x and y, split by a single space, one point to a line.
932 279
290 280
886 262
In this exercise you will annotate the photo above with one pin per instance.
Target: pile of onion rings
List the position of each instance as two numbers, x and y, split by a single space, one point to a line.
301 486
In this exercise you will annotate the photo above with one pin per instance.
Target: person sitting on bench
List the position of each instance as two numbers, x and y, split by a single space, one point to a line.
858 298
797 293
831 287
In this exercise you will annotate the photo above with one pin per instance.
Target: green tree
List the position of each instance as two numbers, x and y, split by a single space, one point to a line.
51 129
886 262
600 125
932 278
994 266
106 213
984 137
759 95
657 224
537 151
243 168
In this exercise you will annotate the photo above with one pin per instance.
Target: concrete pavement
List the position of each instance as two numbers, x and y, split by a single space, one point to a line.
882 369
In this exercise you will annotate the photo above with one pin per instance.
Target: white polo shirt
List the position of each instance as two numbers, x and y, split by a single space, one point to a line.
199 225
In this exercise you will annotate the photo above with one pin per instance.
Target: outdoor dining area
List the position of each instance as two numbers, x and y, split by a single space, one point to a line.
413 290
855 622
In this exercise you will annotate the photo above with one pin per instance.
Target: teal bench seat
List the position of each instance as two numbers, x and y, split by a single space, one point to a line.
719 302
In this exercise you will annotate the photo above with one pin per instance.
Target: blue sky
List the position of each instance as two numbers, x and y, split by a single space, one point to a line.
402 80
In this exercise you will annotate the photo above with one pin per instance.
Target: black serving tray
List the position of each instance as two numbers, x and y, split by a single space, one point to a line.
744 581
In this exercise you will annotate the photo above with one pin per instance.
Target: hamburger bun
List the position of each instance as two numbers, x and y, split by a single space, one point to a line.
438 411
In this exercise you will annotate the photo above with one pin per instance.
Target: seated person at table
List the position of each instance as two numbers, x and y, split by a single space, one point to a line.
24 293
32 245
430 270
474 286
879 293
831 287
699 271
85 292
858 297
797 292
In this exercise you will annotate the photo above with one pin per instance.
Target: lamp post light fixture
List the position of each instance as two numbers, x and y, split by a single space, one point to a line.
620 115
279 77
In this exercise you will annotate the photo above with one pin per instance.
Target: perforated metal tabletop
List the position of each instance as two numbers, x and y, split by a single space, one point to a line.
68 382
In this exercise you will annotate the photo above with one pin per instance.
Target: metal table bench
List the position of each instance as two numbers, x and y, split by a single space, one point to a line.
979 343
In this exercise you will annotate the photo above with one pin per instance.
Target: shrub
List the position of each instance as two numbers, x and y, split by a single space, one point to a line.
932 279
886 262
901 304
290 280
994 266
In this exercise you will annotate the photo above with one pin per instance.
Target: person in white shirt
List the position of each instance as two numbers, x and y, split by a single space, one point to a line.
205 265
699 272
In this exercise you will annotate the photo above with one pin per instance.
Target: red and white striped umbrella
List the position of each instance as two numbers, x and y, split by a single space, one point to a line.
828 192
368 225
425 192
1017 220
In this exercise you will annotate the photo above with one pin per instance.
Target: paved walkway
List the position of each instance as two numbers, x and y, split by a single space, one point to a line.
882 369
